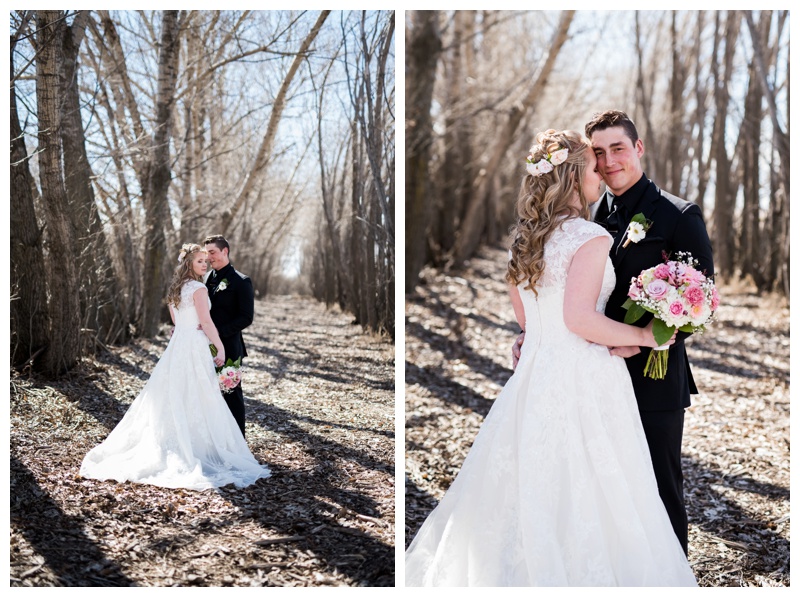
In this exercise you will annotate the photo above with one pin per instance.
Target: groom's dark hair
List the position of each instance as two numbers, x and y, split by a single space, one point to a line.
219 241
604 120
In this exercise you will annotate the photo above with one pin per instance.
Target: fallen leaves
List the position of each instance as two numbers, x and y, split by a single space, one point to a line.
459 332
320 412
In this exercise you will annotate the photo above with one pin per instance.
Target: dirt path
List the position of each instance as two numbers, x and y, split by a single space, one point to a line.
459 331
320 413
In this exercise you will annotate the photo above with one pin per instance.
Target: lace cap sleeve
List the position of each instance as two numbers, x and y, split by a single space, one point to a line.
189 289
582 231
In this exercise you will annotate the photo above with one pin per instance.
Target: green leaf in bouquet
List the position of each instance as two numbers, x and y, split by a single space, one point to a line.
634 313
662 332
686 328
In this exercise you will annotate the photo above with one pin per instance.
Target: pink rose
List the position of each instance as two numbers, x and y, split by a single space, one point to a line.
694 295
714 299
676 309
693 276
657 289
661 271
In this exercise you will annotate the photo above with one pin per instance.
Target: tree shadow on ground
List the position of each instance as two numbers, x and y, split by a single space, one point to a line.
705 501
60 539
447 389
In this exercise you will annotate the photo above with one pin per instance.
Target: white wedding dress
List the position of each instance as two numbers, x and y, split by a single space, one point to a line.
179 431
558 488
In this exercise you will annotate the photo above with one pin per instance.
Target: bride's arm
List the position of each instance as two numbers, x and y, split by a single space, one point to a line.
204 315
584 281
519 313
516 302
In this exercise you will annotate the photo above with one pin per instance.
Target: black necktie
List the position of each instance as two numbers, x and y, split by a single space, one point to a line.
616 218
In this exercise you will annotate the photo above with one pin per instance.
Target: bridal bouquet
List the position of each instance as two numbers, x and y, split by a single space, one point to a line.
229 375
679 296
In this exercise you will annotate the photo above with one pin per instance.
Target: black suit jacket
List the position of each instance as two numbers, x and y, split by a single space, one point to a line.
677 225
231 308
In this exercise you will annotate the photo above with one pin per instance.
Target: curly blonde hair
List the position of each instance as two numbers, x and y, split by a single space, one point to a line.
542 199
183 273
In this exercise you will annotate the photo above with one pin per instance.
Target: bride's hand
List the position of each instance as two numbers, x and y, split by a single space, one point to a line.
651 337
219 360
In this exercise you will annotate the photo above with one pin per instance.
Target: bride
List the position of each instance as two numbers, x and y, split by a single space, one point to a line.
179 431
558 488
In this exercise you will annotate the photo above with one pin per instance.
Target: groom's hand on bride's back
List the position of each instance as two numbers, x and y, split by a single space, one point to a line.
624 351
516 349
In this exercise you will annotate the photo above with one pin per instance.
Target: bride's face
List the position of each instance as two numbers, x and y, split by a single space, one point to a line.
592 181
200 263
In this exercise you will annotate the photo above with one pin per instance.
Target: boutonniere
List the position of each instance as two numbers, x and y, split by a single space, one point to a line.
221 286
637 229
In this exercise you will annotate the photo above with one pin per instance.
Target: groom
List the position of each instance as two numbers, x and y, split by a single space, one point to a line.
231 296
677 225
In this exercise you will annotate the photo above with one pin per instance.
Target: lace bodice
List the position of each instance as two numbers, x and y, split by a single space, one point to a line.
545 313
186 314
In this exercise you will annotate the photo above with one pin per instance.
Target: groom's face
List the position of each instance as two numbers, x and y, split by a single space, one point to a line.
618 158
217 258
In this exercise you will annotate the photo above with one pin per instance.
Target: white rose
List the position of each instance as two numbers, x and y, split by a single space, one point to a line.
545 166
559 157
533 169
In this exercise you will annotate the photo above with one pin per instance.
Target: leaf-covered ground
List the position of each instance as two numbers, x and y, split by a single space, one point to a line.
459 331
320 412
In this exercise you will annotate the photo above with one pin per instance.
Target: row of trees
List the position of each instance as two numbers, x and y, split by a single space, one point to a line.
709 91
133 132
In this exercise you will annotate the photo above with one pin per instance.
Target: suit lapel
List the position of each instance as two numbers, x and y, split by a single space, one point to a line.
648 208
601 214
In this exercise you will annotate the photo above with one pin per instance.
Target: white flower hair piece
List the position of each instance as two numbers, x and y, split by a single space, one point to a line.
547 163
182 254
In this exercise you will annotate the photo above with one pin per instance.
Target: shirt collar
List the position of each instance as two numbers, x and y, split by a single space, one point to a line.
631 197
224 271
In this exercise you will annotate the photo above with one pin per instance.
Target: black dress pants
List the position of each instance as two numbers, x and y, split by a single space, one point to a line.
235 402
664 432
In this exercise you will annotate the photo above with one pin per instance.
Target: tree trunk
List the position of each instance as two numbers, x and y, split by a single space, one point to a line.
64 307
782 138
99 294
454 173
155 194
724 245
644 96
423 45
701 94
675 135
29 317
749 151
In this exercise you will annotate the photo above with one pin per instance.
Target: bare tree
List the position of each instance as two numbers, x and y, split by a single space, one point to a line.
265 150
29 316
723 233
64 307
423 44
158 175
102 317
472 226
